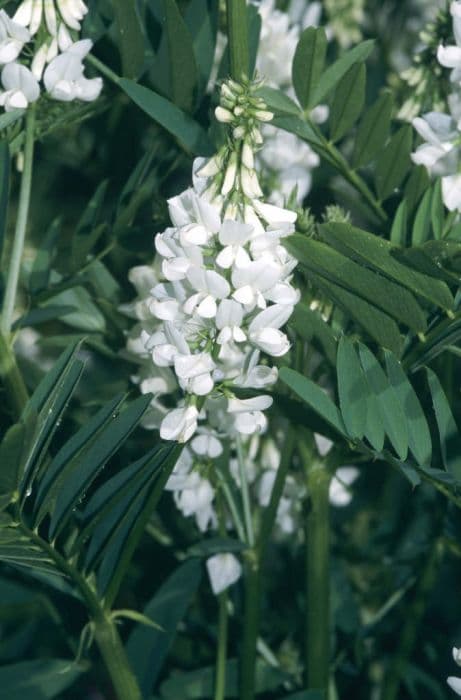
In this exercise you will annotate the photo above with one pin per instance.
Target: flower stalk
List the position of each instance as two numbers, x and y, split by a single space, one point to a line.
14 267
317 534
237 33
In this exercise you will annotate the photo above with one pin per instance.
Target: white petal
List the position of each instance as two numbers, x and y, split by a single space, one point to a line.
451 192
449 56
274 215
455 684
274 316
179 424
257 403
223 571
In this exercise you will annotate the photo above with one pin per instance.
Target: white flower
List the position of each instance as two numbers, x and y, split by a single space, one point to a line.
249 416
21 87
455 684
451 192
456 653
179 424
13 36
64 79
339 493
223 571
195 372
323 444
206 444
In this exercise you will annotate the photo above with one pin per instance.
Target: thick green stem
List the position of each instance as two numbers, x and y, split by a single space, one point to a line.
317 630
221 654
409 635
12 279
115 659
237 34
251 626
106 634
12 379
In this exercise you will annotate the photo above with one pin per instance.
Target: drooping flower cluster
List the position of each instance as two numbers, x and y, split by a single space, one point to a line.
440 152
40 45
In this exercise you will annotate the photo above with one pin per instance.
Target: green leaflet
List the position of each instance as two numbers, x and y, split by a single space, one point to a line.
390 411
422 224
309 325
315 397
202 20
376 252
419 436
181 63
86 466
348 101
394 162
188 132
47 405
338 69
415 187
381 327
131 38
321 259
308 63
450 439
352 389
399 225
147 648
372 131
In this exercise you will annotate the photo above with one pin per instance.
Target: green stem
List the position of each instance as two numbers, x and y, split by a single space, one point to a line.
237 34
251 626
245 493
221 655
12 279
270 513
106 634
12 379
317 631
102 68
331 153
115 659
409 635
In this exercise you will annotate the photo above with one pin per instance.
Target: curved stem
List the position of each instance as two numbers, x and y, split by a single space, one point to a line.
12 279
12 379
106 634
237 33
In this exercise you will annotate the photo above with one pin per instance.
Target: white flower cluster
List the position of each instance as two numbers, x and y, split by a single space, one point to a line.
55 59
288 159
440 152
223 288
453 681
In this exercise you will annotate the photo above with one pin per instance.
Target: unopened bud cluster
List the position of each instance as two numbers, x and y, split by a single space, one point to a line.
233 168
40 51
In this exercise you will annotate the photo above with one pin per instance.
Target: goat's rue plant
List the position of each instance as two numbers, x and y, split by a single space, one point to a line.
230 458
